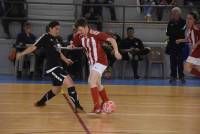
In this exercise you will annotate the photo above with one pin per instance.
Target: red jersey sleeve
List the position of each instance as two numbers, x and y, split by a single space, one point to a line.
102 36
77 40
198 33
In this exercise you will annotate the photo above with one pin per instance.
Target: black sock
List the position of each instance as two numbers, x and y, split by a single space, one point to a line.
73 96
47 96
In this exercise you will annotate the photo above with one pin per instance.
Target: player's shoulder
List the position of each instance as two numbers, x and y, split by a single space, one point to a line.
77 36
196 27
95 32
44 36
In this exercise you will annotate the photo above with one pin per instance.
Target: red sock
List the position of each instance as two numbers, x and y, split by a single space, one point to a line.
103 95
95 97
195 72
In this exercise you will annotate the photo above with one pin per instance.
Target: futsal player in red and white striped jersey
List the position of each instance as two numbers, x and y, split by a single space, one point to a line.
92 41
192 64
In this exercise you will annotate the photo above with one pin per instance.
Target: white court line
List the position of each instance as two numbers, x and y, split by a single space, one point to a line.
118 114
115 131
158 115
149 105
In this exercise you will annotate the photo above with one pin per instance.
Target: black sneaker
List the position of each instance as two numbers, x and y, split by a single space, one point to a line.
183 81
19 74
79 109
31 75
136 77
172 80
40 104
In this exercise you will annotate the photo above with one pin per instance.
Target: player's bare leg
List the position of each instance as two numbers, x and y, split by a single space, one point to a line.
191 68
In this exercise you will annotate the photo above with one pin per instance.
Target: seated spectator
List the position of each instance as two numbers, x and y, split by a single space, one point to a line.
15 10
148 9
111 8
159 11
24 39
189 2
92 13
132 49
1 8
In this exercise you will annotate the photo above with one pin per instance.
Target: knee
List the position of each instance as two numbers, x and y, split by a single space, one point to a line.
187 67
100 87
147 50
68 81
92 83
56 90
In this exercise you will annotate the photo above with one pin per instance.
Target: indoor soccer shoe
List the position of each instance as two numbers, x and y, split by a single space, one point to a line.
40 104
95 111
79 109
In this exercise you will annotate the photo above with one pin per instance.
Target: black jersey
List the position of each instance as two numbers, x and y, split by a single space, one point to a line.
52 51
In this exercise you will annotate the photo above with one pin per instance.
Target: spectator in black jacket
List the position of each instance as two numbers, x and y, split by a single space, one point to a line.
132 49
176 30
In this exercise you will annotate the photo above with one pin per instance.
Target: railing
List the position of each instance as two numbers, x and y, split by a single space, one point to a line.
122 21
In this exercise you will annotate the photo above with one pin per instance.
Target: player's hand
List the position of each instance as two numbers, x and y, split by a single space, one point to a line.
69 62
18 56
137 49
194 47
71 46
118 56
178 41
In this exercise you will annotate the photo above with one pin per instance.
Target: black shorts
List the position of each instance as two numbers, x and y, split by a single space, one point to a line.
57 75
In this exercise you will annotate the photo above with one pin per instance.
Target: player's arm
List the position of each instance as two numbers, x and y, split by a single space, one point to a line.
29 50
39 43
195 46
179 41
113 42
75 42
65 59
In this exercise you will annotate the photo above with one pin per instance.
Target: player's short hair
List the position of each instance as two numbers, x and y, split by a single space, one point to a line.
194 15
82 22
130 28
52 24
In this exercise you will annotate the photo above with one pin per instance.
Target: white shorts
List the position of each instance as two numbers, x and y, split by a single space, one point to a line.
100 68
193 60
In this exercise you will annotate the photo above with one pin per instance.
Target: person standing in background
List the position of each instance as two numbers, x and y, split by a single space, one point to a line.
176 30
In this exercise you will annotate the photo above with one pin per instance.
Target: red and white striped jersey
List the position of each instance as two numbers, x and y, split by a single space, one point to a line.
93 46
193 35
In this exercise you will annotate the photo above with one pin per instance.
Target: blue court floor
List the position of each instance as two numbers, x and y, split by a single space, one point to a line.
190 82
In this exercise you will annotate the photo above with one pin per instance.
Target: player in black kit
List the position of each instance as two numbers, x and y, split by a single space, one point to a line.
51 43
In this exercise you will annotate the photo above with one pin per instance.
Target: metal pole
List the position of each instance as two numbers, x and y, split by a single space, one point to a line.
124 18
